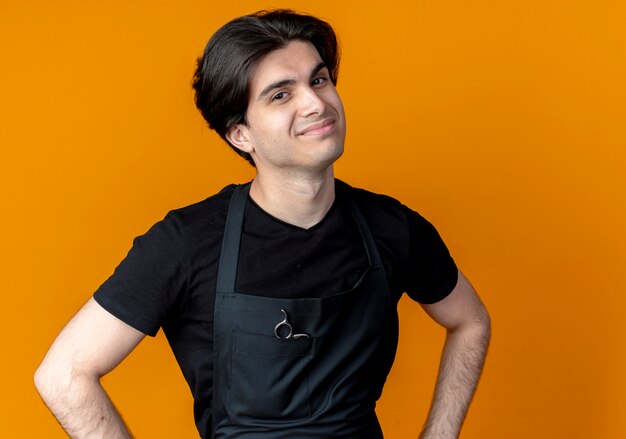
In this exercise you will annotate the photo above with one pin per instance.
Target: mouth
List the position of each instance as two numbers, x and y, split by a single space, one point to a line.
319 128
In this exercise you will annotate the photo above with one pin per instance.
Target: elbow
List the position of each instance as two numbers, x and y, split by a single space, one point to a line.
45 382
54 380
485 319
483 324
42 381
477 327
483 330
58 379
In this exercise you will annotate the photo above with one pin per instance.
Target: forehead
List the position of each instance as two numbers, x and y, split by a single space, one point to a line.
292 62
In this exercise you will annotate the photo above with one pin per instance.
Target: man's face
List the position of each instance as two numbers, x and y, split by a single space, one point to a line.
295 118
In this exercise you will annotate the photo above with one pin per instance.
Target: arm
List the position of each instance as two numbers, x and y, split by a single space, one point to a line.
468 331
68 379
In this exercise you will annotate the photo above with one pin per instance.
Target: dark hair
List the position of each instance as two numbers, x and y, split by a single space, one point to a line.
223 73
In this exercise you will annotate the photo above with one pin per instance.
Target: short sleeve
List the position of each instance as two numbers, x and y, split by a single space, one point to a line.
149 279
430 274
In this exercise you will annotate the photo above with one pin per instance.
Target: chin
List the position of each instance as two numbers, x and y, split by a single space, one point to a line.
329 156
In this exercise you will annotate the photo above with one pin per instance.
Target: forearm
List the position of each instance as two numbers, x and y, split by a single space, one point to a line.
82 407
460 369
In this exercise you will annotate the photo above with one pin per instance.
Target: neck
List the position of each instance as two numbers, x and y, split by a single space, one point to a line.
302 201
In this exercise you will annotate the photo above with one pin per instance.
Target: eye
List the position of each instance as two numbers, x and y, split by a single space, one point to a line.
319 80
278 96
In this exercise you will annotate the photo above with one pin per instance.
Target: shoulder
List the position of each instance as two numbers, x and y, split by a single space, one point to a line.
359 194
188 227
201 217
379 209
422 265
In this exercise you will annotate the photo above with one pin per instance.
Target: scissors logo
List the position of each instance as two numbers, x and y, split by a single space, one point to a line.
287 326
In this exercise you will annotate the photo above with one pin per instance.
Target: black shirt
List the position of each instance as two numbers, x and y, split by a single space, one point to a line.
168 278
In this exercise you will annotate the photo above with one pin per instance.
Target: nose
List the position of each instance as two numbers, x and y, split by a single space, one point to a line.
311 103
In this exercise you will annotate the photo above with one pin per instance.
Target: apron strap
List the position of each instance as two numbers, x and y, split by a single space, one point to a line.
368 240
227 271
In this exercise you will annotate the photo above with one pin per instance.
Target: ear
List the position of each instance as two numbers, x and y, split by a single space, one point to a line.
239 136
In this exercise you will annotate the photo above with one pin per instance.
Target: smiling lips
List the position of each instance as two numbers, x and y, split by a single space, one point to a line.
320 128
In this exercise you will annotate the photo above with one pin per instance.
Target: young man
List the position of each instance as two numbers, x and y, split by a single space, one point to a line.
278 297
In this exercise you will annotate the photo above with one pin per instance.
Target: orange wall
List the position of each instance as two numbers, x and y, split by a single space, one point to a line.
501 122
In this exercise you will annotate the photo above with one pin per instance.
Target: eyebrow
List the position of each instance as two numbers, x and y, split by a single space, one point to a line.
284 82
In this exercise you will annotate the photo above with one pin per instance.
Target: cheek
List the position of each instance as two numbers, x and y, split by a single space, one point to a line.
272 123
335 101
271 135
337 104
280 126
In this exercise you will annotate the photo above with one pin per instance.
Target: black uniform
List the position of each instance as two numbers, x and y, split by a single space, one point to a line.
169 280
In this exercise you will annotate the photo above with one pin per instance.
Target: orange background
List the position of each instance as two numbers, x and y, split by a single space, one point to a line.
501 122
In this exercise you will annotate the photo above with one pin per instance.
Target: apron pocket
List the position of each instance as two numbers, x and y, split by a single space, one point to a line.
269 376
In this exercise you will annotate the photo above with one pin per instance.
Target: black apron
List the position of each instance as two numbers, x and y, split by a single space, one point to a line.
324 381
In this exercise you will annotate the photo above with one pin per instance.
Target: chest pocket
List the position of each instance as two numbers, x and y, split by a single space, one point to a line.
268 376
